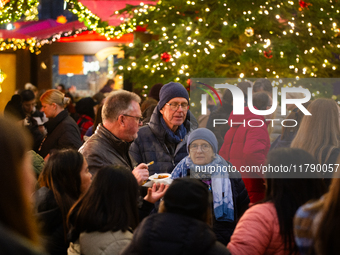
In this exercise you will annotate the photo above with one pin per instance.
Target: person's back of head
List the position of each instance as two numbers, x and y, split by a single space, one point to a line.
289 194
154 91
261 100
189 197
54 96
110 203
85 106
319 133
14 108
244 85
17 181
293 121
262 84
27 95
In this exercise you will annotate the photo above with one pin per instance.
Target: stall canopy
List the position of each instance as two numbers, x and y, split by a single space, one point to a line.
44 29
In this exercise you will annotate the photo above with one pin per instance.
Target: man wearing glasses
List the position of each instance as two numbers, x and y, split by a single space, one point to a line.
110 143
163 140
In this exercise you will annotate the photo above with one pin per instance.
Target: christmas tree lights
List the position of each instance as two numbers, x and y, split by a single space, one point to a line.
216 38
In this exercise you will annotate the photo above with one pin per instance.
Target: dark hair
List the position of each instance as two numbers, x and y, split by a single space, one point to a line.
326 241
15 205
227 97
62 86
244 85
154 91
110 204
260 100
289 194
61 174
27 95
189 197
85 106
14 108
98 119
147 103
262 84
297 115
109 82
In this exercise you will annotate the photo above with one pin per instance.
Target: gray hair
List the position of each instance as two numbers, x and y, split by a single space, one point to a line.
117 103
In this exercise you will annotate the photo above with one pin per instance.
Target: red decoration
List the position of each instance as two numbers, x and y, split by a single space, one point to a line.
166 57
304 4
268 54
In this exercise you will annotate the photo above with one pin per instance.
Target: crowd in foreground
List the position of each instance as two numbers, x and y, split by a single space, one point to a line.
89 192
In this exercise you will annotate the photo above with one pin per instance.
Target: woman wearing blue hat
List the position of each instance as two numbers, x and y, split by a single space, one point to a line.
230 197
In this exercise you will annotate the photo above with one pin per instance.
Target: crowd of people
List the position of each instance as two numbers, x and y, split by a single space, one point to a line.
76 179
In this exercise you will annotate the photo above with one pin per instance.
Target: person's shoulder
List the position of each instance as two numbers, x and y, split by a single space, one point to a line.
264 209
218 249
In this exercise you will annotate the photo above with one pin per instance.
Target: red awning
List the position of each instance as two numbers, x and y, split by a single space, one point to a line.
93 36
104 9
10 34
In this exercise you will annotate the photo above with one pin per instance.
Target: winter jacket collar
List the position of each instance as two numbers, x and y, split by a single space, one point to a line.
174 137
119 145
52 123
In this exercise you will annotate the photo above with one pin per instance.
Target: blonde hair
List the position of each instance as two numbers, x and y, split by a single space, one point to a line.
54 96
319 132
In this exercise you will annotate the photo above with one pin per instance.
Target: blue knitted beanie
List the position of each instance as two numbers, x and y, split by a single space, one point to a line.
170 91
204 134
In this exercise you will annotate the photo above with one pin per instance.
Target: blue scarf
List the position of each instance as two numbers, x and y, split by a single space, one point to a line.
220 184
174 137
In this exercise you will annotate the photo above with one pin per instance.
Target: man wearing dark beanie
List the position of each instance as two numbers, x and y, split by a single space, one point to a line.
163 139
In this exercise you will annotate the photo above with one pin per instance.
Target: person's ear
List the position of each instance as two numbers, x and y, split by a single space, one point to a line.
121 120
161 111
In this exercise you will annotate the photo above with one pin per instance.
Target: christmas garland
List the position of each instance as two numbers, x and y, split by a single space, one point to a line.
11 11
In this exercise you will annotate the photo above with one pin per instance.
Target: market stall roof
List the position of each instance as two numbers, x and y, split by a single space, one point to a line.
10 34
105 9
45 29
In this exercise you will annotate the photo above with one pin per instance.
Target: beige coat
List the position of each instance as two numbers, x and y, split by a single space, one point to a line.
96 243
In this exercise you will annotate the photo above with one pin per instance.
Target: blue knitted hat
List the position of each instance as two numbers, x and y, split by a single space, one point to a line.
204 134
170 91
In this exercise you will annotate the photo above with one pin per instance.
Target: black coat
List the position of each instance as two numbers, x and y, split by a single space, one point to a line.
151 145
168 233
50 221
62 133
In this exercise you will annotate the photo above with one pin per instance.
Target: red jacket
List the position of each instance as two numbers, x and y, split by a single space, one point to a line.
247 146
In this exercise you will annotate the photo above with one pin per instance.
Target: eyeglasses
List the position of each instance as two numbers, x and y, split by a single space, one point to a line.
139 119
204 147
175 106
